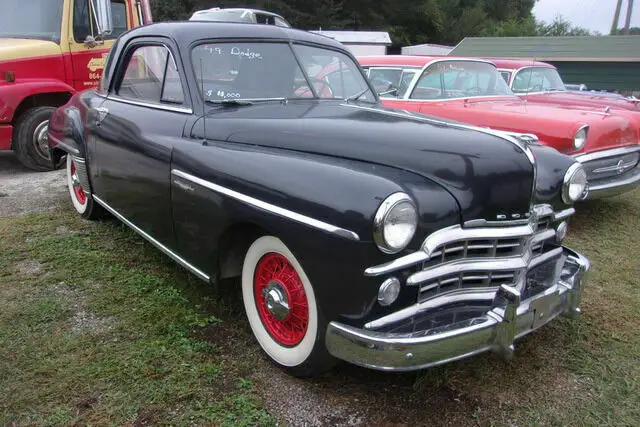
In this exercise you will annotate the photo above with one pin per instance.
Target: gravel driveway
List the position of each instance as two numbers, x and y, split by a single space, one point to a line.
23 191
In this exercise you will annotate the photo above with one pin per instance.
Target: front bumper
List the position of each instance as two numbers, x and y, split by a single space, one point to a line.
6 132
612 172
507 319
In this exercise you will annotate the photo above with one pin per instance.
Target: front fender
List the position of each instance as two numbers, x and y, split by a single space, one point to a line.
340 192
12 94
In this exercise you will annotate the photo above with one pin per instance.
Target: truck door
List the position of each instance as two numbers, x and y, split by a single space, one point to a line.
88 56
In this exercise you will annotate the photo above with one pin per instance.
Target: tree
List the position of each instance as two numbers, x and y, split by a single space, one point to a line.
408 21
561 27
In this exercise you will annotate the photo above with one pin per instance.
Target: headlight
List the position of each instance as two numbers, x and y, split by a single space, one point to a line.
575 186
581 137
395 223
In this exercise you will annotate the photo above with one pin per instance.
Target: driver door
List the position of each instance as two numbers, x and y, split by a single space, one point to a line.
88 57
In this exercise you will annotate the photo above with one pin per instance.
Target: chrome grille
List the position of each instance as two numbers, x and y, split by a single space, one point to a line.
611 166
471 263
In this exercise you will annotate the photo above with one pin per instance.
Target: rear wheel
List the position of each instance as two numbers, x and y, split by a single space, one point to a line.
31 142
282 310
81 196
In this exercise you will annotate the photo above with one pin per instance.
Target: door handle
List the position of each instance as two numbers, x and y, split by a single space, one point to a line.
102 114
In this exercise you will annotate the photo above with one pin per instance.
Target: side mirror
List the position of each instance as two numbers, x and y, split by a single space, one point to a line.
101 10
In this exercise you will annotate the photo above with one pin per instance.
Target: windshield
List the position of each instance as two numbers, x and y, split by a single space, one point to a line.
31 19
537 80
460 79
259 71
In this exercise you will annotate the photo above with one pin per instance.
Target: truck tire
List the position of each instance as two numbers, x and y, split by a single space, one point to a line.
30 142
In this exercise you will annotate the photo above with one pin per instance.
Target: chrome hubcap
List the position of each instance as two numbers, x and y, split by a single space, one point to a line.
276 300
41 140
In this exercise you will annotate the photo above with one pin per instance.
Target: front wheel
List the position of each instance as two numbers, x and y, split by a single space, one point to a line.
282 310
81 196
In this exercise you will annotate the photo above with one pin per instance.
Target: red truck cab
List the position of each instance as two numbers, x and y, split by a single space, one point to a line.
50 49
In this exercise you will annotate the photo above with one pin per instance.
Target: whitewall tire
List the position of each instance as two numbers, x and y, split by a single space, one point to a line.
282 310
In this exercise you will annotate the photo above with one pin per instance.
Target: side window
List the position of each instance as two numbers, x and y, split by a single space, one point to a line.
505 75
151 75
84 23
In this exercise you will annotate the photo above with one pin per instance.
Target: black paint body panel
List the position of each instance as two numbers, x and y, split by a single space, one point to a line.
329 160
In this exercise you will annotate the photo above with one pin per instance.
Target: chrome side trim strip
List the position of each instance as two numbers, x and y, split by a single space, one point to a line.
583 158
184 110
153 241
303 219
64 146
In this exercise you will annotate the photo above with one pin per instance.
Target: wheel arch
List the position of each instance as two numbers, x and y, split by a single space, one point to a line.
233 245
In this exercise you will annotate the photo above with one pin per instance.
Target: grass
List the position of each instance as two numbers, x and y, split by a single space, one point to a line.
98 327
133 357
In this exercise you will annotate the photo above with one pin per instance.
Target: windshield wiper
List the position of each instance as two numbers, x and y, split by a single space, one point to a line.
356 96
248 101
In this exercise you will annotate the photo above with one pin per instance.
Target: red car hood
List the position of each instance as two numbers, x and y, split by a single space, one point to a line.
554 125
586 99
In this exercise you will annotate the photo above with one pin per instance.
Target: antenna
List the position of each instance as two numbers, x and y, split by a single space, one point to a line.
204 119
533 63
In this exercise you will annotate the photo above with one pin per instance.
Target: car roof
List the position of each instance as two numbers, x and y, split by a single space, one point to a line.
515 64
235 9
188 32
409 60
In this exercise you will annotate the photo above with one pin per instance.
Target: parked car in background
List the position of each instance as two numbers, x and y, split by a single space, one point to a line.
472 91
540 82
249 16
49 49
386 239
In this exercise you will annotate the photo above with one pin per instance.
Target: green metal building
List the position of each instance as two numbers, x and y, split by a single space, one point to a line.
601 62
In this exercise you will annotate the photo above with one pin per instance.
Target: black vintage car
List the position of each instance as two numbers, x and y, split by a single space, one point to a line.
389 240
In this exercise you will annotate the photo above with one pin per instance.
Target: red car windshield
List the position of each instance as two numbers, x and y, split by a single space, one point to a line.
460 79
537 79
31 19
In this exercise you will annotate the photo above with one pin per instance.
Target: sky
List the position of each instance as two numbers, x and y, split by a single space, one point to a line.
595 15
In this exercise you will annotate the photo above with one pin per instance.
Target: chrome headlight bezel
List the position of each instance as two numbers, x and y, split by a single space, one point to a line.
391 203
580 137
575 172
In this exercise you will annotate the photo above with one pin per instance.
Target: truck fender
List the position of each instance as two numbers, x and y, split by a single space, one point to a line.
22 95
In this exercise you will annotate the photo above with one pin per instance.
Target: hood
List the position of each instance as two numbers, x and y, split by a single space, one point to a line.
488 175
554 125
11 49
589 99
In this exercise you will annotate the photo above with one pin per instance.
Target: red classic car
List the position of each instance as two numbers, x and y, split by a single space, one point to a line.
541 82
472 91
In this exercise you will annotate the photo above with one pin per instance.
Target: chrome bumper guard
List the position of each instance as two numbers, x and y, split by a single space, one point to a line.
507 319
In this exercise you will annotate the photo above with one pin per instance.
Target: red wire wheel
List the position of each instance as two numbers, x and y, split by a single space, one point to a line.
77 187
281 300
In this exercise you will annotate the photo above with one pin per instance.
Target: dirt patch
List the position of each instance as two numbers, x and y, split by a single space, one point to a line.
24 191
83 320
29 268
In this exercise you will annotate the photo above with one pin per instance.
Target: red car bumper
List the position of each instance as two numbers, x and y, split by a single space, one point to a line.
6 131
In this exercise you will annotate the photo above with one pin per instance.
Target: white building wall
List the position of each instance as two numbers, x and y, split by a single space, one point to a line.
365 49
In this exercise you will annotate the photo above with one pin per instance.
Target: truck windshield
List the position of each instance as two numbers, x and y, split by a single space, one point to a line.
31 19
264 71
